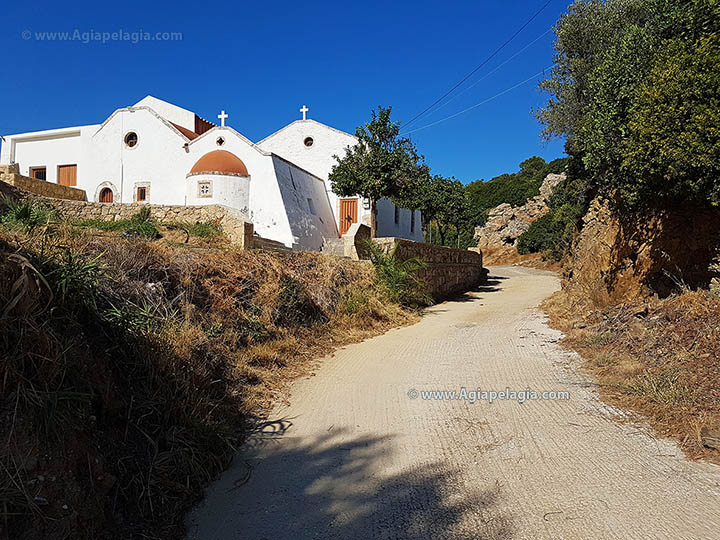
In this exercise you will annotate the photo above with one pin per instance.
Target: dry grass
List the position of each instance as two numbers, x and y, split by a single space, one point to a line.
658 358
132 369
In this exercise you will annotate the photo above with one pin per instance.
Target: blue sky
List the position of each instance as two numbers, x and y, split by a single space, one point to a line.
262 61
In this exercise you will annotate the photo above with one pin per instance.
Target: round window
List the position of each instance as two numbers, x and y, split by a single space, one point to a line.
308 141
131 139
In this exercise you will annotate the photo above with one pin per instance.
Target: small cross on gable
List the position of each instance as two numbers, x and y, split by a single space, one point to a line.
304 111
222 116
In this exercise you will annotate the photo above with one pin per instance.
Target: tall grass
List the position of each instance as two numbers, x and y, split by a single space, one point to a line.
131 370
141 225
398 276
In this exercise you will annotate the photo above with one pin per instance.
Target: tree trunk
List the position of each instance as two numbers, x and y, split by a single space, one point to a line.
373 218
441 231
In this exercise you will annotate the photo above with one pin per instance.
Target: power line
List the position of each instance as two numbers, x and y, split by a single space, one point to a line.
480 65
478 104
481 79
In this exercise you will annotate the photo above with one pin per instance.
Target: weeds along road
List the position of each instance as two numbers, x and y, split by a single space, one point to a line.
361 452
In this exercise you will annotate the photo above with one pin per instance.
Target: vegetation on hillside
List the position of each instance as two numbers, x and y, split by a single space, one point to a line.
636 91
133 368
514 189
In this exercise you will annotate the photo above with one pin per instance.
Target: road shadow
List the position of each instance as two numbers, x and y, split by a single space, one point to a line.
491 284
333 487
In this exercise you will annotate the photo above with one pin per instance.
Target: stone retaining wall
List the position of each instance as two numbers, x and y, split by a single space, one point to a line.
232 223
9 174
449 271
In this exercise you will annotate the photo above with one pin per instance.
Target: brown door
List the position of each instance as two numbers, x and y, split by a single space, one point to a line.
67 175
348 214
106 195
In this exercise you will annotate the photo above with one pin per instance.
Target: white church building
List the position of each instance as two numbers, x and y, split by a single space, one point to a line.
156 152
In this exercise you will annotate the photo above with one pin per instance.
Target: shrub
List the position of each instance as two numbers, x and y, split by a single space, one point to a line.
397 277
295 305
25 214
141 225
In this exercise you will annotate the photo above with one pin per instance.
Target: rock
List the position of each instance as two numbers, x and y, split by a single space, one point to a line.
710 438
622 256
506 224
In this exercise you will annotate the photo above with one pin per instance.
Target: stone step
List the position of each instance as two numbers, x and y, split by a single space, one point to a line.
334 246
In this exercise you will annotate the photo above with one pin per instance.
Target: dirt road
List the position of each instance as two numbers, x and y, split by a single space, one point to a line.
360 453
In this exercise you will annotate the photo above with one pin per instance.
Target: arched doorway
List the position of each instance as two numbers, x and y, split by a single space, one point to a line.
106 195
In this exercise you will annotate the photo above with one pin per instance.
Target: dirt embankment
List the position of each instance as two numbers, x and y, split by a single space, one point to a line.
635 304
131 370
622 256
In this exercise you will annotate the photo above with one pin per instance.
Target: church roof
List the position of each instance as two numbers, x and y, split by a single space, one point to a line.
189 134
220 162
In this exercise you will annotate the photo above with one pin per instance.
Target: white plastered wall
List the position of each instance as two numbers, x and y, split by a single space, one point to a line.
306 204
289 142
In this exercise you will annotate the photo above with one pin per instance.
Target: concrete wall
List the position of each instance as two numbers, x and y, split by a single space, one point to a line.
449 271
50 149
9 175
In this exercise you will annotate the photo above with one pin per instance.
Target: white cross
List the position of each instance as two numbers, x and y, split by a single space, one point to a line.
222 116
304 110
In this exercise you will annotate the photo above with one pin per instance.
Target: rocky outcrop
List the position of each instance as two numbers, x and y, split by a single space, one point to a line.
505 223
621 256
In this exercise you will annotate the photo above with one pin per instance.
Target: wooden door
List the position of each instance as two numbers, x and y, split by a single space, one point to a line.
348 214
106 195
67 175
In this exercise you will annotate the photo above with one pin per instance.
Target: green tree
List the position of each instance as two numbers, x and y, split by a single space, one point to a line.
381 164
635 88
673 127
454 211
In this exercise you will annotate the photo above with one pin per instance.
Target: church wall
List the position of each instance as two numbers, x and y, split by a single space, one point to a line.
227 190
267 211
170 112
158 158
318 159
306 204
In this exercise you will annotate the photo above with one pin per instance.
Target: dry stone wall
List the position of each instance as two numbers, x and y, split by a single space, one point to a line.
449 271
232 223
10 175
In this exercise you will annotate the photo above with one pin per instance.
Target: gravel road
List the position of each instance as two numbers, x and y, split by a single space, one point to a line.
361 452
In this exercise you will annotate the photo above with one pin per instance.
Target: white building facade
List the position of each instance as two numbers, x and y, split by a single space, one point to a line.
313 146
156 152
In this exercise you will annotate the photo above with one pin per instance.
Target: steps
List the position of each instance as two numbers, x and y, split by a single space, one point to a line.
334 246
